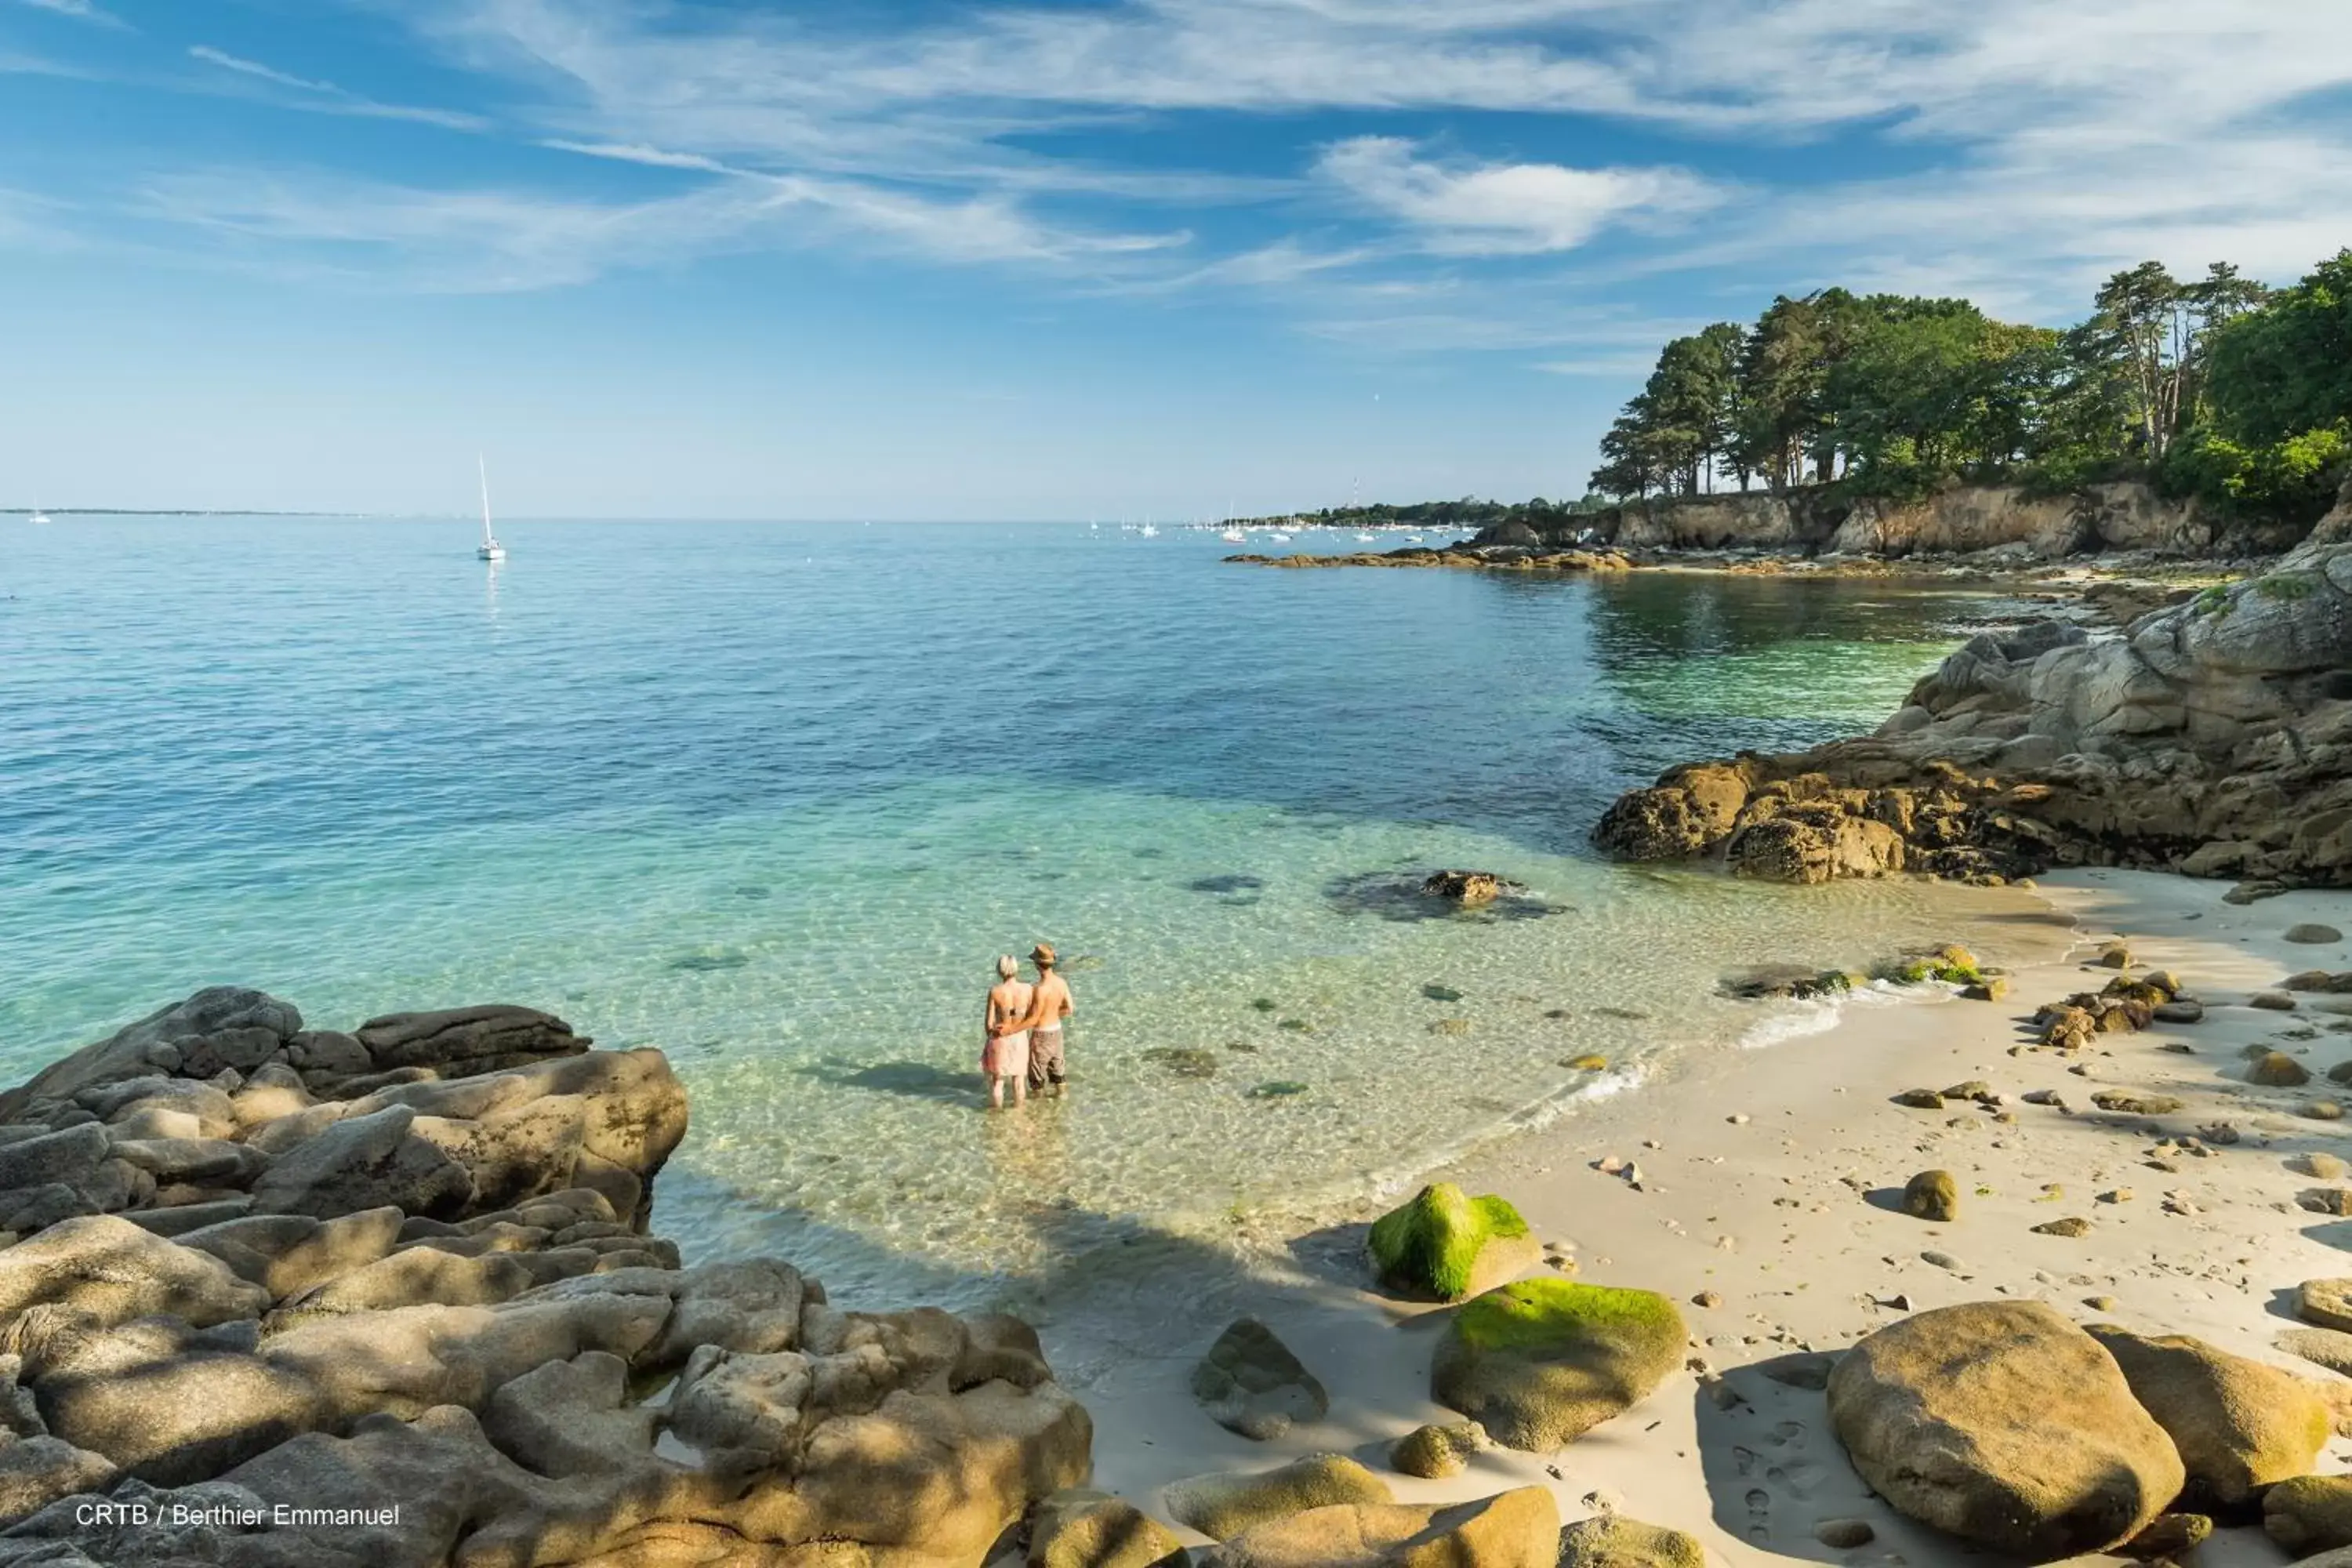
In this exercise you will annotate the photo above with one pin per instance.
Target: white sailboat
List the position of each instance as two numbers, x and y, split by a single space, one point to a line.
1235 536
491 549
39 515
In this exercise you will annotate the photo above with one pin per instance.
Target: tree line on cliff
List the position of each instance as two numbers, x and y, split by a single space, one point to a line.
2219 387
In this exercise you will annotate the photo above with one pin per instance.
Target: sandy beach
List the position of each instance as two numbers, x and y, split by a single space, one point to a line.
1768 1186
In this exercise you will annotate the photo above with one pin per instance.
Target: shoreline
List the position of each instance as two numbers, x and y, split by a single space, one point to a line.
1782 1216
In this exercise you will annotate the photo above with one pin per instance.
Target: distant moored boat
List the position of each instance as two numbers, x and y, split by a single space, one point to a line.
491 549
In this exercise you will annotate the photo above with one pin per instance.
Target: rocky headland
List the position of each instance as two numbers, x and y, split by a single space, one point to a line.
2123 532
2213 737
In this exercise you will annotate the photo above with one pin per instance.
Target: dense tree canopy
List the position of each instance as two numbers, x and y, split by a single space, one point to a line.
2218 387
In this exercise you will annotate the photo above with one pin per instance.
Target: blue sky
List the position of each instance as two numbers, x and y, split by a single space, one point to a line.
906 258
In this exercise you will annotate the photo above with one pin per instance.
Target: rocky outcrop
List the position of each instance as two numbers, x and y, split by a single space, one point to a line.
423 1278
2213 737
2002 1423
1956 520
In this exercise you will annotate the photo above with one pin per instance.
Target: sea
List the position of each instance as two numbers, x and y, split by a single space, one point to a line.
774 797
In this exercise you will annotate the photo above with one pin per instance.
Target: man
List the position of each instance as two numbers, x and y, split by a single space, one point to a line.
1049 1005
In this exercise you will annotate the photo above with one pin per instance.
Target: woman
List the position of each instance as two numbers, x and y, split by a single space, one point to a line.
1005 1058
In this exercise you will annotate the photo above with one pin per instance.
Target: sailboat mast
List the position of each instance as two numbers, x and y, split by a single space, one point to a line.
483 464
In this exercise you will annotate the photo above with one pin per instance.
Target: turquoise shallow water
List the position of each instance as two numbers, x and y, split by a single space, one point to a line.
773 797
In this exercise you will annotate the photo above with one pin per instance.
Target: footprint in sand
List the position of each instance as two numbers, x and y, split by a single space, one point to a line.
1760 1509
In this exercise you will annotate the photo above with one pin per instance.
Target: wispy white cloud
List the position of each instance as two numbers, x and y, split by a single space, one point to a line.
326 98
485 240
2045 142
80 11
1505 209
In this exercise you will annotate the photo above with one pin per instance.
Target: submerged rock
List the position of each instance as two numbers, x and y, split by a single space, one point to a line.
1468 888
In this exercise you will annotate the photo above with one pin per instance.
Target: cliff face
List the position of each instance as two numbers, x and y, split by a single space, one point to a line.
2213 737
1959 520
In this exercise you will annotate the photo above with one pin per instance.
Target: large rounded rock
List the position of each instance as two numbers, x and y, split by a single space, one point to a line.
2004 1424
1223 1506
1541 1362
1251 1383
1446 1245
2238 1424
1516 1528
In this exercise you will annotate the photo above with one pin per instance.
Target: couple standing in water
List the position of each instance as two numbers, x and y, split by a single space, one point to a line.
1025 1030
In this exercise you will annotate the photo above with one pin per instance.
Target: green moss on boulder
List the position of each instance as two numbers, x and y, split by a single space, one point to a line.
1444 1243
1541 1362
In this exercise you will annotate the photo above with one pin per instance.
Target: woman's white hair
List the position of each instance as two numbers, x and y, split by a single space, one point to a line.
1007 967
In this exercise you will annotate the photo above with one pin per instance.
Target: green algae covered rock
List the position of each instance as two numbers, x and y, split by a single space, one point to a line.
1951 964
1445 1243
1541 1362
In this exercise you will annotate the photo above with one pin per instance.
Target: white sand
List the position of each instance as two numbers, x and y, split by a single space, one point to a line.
1772 1214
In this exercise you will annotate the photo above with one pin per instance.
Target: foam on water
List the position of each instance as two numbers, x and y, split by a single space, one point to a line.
774 800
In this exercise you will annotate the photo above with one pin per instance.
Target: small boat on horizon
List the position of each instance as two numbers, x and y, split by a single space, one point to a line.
1235 536
1148 531
39 516
489 549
